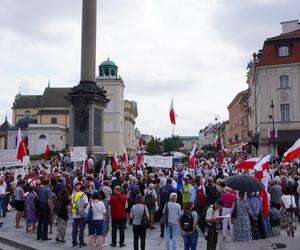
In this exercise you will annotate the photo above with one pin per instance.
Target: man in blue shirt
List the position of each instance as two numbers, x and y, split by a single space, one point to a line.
45 205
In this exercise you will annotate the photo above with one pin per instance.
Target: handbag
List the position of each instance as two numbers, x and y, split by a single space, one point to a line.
234 211
165 216
145 222
89 215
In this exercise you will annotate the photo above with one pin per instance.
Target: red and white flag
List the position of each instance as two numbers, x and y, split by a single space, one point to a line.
47 151
248 164
172 113
140 141
261 166
293 152
115 164
84 167
21 146
125 159
192 160
138 160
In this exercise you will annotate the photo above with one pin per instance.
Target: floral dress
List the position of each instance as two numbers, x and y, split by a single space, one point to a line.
106 218
31 214
241 224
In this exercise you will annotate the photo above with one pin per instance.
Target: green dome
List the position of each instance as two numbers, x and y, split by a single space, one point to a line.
108 63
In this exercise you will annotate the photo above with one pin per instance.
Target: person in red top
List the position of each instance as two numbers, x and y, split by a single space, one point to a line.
228 197
118 204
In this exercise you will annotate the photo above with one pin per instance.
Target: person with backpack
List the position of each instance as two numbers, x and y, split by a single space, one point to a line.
173 212
188 224
150 198
79 203
61 211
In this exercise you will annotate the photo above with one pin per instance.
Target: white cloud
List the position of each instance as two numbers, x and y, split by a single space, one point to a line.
193 50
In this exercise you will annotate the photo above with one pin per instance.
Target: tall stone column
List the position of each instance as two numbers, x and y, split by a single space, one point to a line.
87 100
88 41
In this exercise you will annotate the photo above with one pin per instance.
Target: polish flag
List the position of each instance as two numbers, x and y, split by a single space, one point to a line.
192 160
115 164
140 141
293 152
138 160
84 167
47 151
261 166
248 164
21 146
172 113
125 159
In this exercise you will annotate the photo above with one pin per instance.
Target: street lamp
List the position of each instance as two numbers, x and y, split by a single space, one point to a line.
273 123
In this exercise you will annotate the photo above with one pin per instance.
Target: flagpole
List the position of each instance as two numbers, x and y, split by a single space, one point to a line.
173 129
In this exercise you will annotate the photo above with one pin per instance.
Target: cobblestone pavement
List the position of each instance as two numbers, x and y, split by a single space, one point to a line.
153 240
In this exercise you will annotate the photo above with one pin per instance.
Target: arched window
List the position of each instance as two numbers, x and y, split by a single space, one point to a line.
106 72
113 72
284 81
27 114
43 137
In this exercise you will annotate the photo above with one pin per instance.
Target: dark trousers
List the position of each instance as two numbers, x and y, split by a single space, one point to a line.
139 232
78 223
212 237
118 224
43 222
2 206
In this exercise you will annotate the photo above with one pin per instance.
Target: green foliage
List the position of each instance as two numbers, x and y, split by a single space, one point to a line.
173 143
153 146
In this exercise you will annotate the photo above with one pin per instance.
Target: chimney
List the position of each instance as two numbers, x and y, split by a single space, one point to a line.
290 26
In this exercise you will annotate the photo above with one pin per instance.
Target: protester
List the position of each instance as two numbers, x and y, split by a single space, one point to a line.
31 210
139 213
19 202
96 225
213 219
118 204
228 197
241 222
188 223
173 210
150 200
61 212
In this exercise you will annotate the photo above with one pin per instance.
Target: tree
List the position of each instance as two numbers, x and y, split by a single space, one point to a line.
153 146
173 143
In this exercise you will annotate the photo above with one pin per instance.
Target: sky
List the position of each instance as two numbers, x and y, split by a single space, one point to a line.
193 50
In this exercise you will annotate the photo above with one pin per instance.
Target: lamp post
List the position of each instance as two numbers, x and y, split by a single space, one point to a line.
273 125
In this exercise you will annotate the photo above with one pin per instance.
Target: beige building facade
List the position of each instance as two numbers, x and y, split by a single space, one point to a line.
274 90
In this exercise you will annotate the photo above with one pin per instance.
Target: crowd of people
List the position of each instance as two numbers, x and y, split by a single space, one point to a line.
181 202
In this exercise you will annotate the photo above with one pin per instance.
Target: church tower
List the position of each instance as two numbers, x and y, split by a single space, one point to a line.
113 140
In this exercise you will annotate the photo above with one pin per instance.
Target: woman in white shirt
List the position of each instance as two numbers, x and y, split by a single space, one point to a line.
96 226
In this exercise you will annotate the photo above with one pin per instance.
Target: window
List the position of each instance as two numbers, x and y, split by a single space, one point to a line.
27 114
106 72
285 112
283 51
42 137
284 81
53 120
113 73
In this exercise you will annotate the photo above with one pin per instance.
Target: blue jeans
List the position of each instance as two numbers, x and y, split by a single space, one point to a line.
2 206
174 228
190 240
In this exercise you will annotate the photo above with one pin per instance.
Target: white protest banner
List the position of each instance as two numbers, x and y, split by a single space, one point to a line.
8 158
158 161
78 153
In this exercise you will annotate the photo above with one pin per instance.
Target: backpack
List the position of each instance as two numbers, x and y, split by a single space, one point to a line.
200 198
149 200
58 206
164 196
212 194
80 206
187 222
